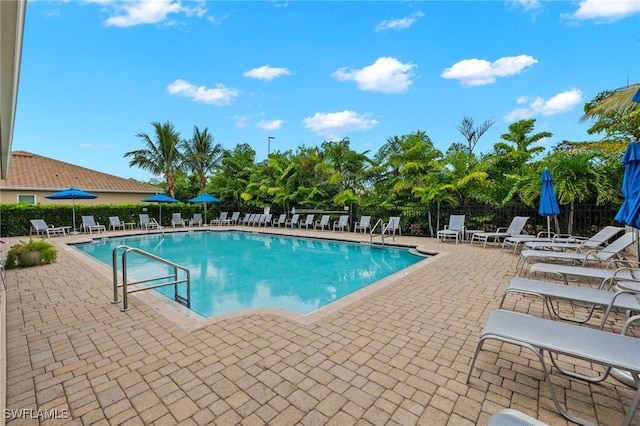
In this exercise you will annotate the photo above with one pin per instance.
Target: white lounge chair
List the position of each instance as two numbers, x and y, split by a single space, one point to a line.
282 219
393 226
90 225
41 228
257 219
265 220
363 225
618 269
610 350
517 240
148 223
322 223
515 228
511 417
235 216
600 239
248 220
610 252
293 222
220 219
622 298
245 219
455 229
308 221
116 223
342 224
196 220
176 220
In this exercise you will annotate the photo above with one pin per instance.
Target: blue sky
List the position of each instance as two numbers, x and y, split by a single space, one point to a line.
95 73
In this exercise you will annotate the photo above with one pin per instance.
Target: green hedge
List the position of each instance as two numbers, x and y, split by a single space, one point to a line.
15 218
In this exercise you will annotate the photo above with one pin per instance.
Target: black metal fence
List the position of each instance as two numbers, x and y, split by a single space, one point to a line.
415 220
587 218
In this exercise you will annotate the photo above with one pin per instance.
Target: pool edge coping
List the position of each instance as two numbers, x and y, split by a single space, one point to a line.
189 320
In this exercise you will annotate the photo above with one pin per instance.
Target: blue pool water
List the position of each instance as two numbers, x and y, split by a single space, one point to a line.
232 271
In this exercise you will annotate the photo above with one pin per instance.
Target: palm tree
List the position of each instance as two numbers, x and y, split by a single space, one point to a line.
473 134
580 176
201 155
160 156
615 114
519 136
611 104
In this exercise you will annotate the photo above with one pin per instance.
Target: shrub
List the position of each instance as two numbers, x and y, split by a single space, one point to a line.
17 255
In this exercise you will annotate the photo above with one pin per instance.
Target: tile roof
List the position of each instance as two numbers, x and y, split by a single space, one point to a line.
32 171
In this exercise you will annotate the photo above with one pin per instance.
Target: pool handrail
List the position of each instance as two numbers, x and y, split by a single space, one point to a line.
125 290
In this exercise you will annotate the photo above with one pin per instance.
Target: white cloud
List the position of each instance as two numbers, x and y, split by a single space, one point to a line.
562 102
527 5
270 124
386 75
479 72
91 145
240 121
399 24
220 95
607 10
136 12
338 123
266 72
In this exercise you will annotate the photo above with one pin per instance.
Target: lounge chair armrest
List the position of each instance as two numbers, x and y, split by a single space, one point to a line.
624 264
542 234
501 229
628 323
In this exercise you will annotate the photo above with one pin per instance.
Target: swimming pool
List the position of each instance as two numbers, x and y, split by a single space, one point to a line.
233 271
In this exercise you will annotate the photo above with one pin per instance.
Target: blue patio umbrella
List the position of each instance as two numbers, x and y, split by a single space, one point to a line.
548 201
629 214
72 194
205 198
160 198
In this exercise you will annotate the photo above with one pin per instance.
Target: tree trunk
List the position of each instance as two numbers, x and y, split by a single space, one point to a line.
570 225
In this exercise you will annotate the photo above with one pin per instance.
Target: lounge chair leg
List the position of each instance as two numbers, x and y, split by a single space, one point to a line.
547 377
634 405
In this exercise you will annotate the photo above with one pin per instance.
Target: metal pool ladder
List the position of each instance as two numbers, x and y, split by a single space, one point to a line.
186 301
382 231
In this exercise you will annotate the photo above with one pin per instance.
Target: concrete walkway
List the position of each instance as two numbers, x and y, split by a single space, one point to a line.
394 354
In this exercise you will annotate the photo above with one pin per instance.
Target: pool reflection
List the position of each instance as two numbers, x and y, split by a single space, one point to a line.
233 271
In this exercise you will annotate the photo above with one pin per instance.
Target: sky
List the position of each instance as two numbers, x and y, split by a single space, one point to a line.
96 73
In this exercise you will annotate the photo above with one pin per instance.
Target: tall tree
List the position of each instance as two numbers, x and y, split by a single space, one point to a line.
473 134
202 155
581 176
161 155
613 113
233 177
519 136
406 161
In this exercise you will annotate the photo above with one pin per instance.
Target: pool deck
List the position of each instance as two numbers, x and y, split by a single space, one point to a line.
394 354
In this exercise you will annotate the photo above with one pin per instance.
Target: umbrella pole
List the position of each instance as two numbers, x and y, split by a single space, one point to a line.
205 213
549 226
73 209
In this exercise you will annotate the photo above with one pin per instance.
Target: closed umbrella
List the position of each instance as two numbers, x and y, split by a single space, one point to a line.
72 194
160 198
548 201
630 210
629 215
205 198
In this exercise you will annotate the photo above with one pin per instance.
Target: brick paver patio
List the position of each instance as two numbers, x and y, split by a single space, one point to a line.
395 355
